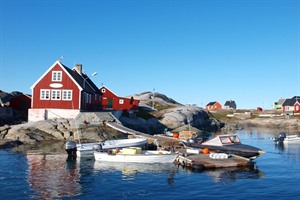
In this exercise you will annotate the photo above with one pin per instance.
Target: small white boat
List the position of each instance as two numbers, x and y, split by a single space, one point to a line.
136 155
287 139
87 149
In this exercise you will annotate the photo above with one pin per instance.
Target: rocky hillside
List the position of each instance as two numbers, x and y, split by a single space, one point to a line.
167 114
164 113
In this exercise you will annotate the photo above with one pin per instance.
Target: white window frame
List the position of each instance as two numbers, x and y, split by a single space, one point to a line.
55 94
56 75
44 94
67 95
121 101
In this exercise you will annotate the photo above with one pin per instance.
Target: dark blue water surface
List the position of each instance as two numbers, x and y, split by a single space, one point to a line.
276 175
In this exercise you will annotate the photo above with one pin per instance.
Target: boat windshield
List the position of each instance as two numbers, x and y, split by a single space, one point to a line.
235 139
229 139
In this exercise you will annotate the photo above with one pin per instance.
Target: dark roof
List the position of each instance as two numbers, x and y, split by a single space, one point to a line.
291 102
6 97
82 79
229 103
211 103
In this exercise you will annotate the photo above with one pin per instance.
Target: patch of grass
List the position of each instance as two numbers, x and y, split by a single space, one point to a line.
222 116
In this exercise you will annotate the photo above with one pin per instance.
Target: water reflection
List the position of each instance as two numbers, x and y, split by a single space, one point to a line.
53 176
292 151
227 175
130 170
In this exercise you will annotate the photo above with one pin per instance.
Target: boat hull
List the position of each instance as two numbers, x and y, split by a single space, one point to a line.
243 150
144 157
87 149
291 139
287 139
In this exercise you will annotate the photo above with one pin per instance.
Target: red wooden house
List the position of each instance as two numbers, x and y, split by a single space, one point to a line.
213 106
62 92
110 101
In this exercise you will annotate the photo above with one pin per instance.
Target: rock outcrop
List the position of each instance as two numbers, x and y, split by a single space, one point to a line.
171 116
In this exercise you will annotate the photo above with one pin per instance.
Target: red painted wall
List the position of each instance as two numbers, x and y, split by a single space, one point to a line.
297 107
214 107
67 83
21 103
110 101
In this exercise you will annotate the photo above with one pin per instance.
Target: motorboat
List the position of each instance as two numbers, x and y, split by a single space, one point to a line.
287 139
87 149
135 155
227 143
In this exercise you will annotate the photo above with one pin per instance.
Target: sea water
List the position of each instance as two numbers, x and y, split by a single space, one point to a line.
275 175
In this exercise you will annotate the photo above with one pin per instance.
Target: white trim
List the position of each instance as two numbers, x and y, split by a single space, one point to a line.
56 95
56 85
68 93
49 69
108 90
56 76
44 92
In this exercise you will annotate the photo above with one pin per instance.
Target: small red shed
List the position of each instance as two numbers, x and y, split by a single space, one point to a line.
110 101
21 102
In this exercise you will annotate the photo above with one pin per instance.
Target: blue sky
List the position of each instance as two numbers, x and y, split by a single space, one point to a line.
194 51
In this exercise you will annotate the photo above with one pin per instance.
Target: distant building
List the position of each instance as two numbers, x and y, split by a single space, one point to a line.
110 101
213 106
230 104
278 104
259 109
291 106
20 102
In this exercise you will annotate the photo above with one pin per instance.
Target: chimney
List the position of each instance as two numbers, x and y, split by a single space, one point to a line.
79 68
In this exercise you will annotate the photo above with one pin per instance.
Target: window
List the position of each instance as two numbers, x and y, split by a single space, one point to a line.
45 94
67 95
55 94
121 101
225 140
56 75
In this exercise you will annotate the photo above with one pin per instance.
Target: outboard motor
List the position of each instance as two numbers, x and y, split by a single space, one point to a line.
97 147
280 137
191 141
71 148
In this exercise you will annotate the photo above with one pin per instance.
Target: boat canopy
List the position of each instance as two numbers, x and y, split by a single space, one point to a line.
221 140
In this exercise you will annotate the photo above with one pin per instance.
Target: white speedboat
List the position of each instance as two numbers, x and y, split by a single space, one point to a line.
87 149
135 155
287 139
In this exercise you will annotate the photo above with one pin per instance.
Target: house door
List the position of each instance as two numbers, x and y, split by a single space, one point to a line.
110 103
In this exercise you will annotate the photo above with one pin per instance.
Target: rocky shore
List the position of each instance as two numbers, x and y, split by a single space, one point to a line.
171 116
278 124
50 135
